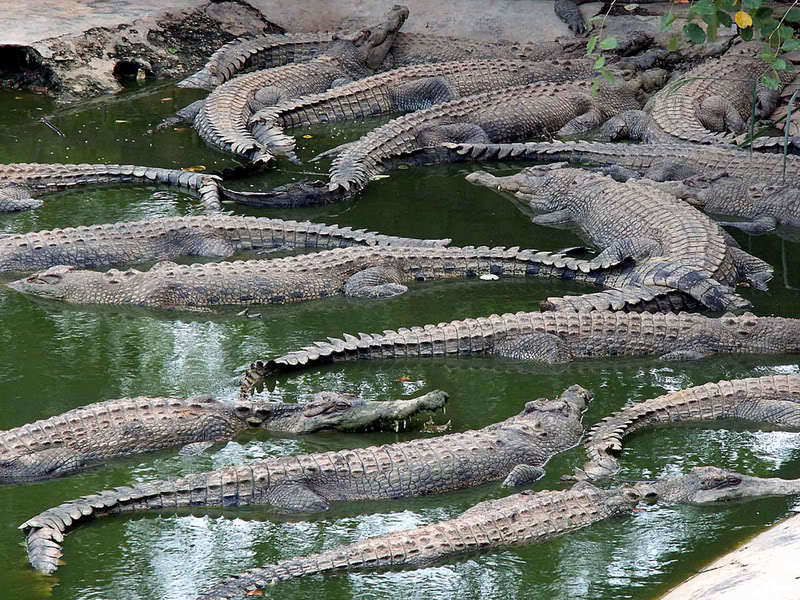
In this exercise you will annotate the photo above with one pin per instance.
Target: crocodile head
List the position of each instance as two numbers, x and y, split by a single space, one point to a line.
553 424
372 44
749 333
70 284
707 485
340 412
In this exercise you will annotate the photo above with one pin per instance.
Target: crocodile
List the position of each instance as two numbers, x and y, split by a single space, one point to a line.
772 399
636 221
371 272
724 181
222 117
20 181
549 337
405 90
503 115
162 238
512 451
523 518
273 50
710 104
86 436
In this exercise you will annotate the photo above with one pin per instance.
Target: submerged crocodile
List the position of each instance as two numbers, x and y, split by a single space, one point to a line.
524 518
404 90
372 272
504 115
273 50
632 220
549 337
719 180
222 117
513 450
710 104
92 434
21 181
162 238
772 399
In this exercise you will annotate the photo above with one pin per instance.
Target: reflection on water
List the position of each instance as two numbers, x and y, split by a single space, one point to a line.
54 358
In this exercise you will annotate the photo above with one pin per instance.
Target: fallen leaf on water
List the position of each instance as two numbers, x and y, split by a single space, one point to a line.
195 169
631 7
402 166
19 97
179 129
403 378
255 593
489 277
307 137
167 99
121 121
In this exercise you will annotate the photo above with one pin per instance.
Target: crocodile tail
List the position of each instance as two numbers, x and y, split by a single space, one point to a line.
288 196
696 283
630 299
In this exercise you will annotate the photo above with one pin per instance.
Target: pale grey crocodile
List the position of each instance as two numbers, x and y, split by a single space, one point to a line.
163 238
512 451
86 436
549 337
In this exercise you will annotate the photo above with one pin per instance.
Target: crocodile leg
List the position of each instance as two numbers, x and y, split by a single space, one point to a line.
375 282
635 248
557 217
540 347
296 498
763 224
523 475
752 269
568 11
719 114
581 124
437 134
14 198
44 464
418 95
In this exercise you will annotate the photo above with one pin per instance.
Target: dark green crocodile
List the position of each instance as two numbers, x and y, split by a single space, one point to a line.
86 436
512 451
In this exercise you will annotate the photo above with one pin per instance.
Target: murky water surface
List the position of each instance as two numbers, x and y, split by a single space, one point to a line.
54 358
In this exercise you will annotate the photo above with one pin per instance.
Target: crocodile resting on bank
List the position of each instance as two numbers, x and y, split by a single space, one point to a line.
719 180
549 337
406 89
772 399
19 182
274 50
512 450
635 221
223 116
89 435
710 104
523 518
503 115
163 238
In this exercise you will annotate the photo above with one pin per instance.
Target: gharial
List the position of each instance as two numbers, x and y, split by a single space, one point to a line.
92 434
511 451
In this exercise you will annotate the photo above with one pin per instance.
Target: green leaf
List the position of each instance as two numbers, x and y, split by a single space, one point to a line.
724 19
703 7
607 75
751 5
608 43
790 45
726 5
779 65
595 87
667 20
786 33
792 15
674 43
694 34
601 60
590 45
769 82
746 34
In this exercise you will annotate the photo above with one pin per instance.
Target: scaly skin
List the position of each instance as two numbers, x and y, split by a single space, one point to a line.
74 441
503 115
773 399
273 50
356 272
18 182
710 104
405 89
223 117
513 449
164 238
632 220
719 180
524 518
549 337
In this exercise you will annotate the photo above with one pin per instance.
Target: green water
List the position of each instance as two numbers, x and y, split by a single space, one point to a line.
54 358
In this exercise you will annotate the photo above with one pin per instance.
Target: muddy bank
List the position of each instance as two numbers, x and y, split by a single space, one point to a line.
162 45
